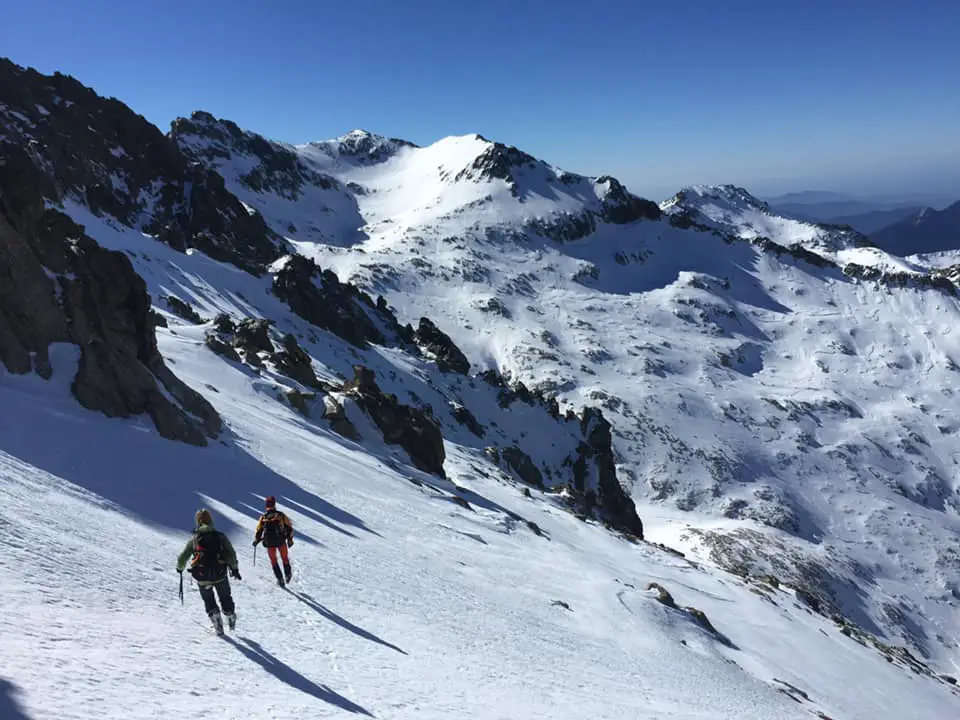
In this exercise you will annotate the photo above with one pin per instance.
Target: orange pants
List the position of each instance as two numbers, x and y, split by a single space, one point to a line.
272 552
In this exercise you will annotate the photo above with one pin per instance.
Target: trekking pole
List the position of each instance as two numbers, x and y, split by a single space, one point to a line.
254 555
181 588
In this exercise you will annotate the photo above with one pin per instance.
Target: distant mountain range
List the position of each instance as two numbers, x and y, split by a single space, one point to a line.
866 214
925 231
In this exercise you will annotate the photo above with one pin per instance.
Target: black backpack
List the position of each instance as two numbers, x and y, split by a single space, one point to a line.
208 565
274 530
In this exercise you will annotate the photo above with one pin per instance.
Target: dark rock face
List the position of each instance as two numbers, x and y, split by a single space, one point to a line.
467 418
412 429
523 465
293 361
252 336
370 148
613 501
100 153
339 422
620 207
496 162
567 227
320 298
183 310
58 285
448 356
280 170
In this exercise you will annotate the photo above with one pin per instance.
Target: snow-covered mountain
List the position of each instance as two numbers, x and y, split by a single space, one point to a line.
453 364
727 345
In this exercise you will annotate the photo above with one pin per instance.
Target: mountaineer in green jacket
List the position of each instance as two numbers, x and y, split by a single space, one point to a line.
213 555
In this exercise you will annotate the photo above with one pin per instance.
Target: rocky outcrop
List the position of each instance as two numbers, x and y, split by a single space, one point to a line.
613 501
100 153
58 286
369 148
621 207
336 415
280 170
463 416
320 298
293 361
183 310
439 345
565 227
617 206
411 428
254 339
496 162
523 465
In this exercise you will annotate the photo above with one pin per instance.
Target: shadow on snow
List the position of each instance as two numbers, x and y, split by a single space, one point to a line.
10 708
345 624
286 674
163 482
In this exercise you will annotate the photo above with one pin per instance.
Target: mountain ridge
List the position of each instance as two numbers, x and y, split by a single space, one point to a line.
499 262
515 328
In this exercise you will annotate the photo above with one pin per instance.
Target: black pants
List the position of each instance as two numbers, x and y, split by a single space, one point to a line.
223 592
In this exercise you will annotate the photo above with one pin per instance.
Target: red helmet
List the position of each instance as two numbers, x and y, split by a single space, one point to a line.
270 502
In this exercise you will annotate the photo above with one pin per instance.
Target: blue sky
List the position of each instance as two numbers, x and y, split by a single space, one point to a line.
779 95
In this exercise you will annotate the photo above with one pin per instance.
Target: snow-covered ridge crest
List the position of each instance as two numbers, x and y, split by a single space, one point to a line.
733 210
364 185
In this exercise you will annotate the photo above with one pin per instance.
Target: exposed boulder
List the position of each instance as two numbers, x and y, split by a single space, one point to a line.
58 285
300 401
334 412
438 344
411 428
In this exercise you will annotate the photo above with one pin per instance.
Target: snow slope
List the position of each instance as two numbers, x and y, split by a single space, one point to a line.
403 604
782 376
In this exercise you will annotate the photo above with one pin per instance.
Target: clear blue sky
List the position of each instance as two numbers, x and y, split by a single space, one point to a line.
777 95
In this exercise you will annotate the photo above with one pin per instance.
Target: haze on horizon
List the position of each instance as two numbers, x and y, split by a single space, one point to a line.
819 95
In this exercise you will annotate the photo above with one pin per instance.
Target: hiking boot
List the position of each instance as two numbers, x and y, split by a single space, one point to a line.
279 574
287 572
232 620
217 621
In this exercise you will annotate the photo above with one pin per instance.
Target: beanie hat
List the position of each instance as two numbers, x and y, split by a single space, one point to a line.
270 502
